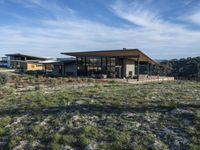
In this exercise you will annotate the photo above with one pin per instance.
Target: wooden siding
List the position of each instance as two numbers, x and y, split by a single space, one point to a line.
34 67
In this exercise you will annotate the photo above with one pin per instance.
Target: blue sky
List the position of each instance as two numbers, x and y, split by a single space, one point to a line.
163 29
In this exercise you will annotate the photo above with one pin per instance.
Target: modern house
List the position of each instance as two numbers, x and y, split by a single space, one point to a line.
4 62
124 63
25 62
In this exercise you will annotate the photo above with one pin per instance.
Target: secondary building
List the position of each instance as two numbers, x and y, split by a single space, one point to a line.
126 63
65 67
4 62
25 62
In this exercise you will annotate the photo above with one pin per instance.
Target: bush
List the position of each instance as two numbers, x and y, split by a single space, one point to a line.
198 115
4 121
38 131
3 78
55 146
90 131
68 140
83 141
120 141
1 131
56 138
13 141
113 81
90 80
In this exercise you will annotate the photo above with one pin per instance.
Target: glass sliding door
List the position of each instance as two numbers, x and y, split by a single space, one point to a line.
96 66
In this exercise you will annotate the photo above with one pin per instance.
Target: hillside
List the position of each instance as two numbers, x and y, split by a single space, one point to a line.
67 113
188 68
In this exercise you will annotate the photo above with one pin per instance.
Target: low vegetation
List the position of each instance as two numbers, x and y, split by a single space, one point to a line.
188 68
69 113
3 78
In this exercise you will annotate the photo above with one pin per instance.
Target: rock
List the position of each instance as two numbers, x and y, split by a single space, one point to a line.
129 115
79 102
92 146
18 120
158 144
67 147
35 143
75 118
178 111
136 124
44 122
169 132
21 145
61 129
147 119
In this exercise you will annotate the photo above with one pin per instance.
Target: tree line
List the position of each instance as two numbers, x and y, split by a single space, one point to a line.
185 68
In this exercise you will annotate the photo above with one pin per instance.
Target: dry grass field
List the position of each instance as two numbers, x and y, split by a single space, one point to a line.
68 113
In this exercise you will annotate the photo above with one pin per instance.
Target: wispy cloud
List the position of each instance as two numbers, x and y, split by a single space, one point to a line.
163 33
192 15
48 6
139 14
135 13
195 17
156 36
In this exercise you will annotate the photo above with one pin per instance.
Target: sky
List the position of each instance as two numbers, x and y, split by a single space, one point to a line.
163 29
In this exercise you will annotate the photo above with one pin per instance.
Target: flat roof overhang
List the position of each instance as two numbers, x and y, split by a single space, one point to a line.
132 54
29 56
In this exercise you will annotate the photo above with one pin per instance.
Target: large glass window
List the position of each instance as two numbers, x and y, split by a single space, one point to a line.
93 66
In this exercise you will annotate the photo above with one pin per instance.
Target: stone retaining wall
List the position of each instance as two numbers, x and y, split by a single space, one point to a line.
143 79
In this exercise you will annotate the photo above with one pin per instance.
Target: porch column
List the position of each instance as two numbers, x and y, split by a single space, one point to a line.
86 73
101 66
148 69
77 66
138 69
64 69
45 68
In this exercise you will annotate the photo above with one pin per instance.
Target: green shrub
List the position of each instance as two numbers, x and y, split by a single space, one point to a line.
194 146
56 138
55 146
113 81
198 115
5 121
10 131
120 141
194 143
38 131
13 141
68 140
90 131
90 80
1 131
82 141
4 78
103 146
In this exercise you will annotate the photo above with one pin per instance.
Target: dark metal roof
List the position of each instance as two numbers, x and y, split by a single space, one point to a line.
29 56
134 54
66 61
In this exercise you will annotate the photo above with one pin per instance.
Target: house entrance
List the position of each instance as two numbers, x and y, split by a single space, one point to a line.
118 71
